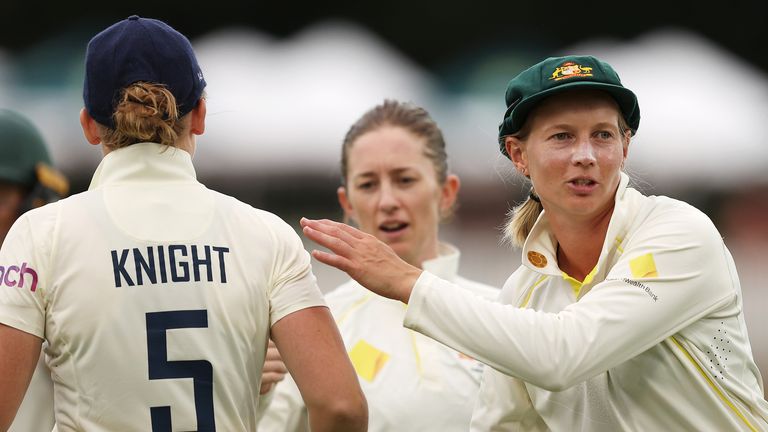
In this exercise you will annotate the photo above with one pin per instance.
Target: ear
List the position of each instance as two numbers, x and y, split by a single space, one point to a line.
449 192
349 212
197 120
90 127
517 154
627 139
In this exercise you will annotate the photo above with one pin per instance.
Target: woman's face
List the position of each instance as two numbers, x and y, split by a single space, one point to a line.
393 192
573 153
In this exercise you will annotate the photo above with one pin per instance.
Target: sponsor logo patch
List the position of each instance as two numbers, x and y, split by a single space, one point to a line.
16 276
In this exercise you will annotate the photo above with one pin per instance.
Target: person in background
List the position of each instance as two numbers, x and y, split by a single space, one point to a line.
156 295
396 186
28 180
626 314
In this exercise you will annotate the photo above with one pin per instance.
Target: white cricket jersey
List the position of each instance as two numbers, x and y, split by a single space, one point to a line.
155 294
653 339
411 382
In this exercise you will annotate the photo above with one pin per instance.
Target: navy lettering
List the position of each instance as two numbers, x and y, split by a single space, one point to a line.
222 269
144 266
161 259
197 263
184 266
119 268
174 263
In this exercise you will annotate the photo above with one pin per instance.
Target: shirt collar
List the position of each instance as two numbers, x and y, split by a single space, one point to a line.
540 248
144 162
446 264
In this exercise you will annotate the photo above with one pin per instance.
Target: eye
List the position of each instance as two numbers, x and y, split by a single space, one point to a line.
560 136
406 180
605 135
366 185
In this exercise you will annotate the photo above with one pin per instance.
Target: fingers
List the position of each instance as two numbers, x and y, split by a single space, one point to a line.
332 260
265 388
329 227
274 366
271 377
331 238
272 353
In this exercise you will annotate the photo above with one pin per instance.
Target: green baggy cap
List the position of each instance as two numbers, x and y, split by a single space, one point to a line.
21 149
557 74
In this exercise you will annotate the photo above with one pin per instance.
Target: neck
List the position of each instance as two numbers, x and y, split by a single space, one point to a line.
580 242
427 254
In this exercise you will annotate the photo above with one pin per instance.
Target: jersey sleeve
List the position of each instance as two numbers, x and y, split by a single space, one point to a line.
293 286
671 274
23 267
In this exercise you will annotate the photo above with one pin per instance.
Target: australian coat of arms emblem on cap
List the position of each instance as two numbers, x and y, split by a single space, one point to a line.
570 69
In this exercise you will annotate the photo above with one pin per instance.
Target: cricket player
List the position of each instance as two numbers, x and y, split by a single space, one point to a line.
626 314
396 185
28 180
156 295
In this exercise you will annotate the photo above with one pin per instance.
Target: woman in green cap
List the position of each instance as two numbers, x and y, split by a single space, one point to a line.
626 314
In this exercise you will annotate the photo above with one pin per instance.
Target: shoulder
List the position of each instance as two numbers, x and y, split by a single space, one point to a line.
668 217
246 216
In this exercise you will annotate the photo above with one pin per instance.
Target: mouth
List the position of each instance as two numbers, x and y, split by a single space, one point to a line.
582 185
582 181
393 227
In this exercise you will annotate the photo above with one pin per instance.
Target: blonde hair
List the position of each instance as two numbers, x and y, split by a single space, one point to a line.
146 112
521 218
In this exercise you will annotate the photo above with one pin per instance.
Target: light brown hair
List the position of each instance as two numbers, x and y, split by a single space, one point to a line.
412 118
146 112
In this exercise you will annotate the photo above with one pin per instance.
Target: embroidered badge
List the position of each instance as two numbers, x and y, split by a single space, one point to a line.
537 259
571 70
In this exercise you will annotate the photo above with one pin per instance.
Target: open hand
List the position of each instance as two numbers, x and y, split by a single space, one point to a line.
363 257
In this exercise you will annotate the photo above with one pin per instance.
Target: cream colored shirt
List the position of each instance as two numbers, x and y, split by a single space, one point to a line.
155 294
654 339
411 382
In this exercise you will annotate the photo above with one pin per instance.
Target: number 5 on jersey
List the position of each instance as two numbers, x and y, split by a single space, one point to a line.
200 371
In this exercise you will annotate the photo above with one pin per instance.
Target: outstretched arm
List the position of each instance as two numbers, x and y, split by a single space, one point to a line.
19 352
313 351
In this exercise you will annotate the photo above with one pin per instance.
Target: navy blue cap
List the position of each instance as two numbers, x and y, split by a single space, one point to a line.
139 49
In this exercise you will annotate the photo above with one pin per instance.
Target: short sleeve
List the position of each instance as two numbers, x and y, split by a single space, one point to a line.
293 286
23 266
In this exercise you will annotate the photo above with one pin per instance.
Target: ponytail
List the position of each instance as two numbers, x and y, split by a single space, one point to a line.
146 112
520 220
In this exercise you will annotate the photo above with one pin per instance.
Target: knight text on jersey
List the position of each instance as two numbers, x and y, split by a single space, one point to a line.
164 263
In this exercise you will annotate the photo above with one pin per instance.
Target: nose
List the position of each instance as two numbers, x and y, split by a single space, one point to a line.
388 201
584 152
